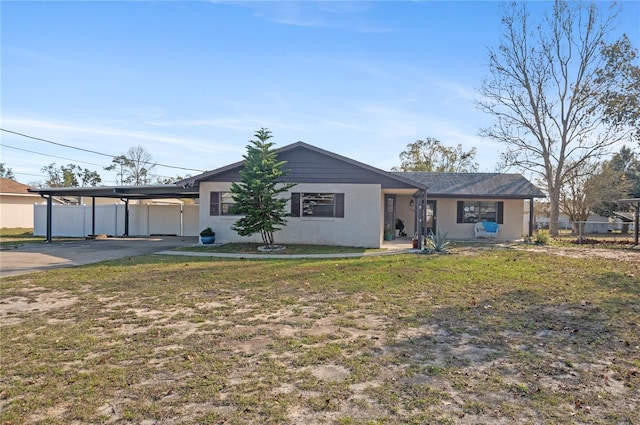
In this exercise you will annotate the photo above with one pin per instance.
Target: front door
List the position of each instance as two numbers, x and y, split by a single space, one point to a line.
430 217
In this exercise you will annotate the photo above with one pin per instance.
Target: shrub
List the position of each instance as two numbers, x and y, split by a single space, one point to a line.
541 237
207 232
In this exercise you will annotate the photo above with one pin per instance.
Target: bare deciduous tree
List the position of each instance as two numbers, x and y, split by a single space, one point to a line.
545 92
577 194
135 167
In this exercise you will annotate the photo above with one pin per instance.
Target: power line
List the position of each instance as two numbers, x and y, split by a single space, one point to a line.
51 156
55 143
61 157
28 174
89 150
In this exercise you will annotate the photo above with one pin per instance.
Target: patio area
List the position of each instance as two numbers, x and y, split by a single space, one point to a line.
397 244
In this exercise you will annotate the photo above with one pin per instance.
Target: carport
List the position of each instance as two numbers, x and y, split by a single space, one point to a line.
123 193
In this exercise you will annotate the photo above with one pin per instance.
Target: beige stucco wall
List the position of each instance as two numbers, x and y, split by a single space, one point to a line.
512 228
515 218
359 227
17 210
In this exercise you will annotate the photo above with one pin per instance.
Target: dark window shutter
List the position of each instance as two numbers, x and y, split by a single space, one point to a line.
460 215
500 212
339 200
214 203
295 205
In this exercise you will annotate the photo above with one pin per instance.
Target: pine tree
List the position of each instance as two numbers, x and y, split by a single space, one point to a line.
257 195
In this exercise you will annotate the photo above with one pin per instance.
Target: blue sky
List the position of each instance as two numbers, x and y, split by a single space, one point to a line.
192 81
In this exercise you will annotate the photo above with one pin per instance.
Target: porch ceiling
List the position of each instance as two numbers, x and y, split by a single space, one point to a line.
408 192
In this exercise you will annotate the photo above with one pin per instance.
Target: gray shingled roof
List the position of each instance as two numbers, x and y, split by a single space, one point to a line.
475 184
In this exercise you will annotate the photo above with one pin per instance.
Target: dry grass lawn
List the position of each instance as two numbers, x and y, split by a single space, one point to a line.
493 336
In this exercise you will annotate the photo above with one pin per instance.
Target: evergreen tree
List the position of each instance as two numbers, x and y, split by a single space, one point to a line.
257 195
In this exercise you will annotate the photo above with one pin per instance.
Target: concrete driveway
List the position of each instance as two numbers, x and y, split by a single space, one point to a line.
45 256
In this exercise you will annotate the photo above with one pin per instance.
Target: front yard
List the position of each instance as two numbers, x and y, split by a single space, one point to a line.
489 335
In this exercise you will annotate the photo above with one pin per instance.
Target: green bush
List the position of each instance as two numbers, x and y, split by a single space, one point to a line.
541 237
207 232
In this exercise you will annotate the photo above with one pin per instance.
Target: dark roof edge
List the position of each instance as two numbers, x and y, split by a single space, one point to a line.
483 196
138 192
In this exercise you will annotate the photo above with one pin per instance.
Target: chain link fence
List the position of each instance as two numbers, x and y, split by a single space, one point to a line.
598 229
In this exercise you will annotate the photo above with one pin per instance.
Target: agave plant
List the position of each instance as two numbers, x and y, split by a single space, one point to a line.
437 242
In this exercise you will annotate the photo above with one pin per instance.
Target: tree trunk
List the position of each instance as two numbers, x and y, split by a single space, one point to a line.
578 227
554 213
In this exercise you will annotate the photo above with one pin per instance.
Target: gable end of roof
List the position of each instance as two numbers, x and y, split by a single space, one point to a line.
193 181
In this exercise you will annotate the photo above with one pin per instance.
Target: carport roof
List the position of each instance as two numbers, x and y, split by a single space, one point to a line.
127 192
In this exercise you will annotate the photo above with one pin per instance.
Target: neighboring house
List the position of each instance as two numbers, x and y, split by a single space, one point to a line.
340 201
595 223
16 204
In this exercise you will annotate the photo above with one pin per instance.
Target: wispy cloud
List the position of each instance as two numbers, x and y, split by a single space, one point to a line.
349 16
28 125
347 126
459 91
228 123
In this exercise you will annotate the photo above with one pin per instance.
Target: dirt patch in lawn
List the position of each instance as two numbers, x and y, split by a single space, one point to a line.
32 300
583 252
629 255
494 336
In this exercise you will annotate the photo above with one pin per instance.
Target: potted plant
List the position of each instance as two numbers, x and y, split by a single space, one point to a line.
207 236
388 234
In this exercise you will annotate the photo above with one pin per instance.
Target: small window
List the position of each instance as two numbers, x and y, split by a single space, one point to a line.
317 204
221 203
475 211
488 211
214 203
227 203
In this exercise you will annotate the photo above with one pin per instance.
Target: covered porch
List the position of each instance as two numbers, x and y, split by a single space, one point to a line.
406 214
